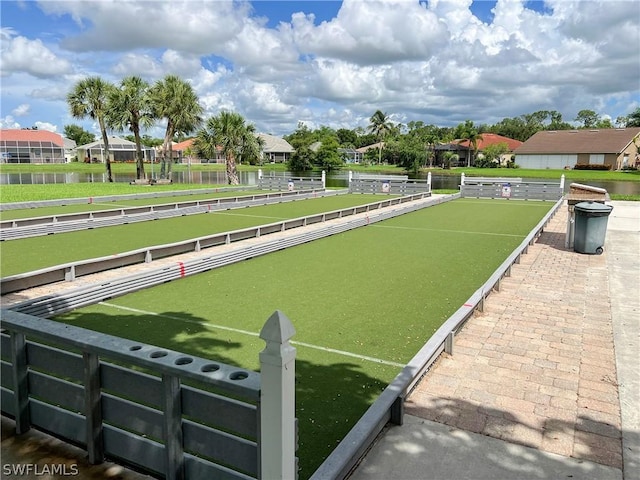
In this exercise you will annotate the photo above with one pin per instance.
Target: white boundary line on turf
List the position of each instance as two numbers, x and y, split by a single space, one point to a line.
254 334
448 231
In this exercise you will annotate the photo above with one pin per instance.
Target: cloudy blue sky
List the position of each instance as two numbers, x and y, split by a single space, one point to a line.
329 62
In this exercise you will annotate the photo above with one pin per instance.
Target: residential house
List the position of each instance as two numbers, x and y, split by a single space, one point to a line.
614 147
32 146
351 155
363 150
275 149
185 152
463 148
69 150
120 150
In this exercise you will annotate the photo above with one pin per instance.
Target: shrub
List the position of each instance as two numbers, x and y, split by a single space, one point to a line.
591 166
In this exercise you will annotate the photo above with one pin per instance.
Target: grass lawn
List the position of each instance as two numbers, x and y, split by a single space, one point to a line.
28 254
363 303
573 175
130 168
53 191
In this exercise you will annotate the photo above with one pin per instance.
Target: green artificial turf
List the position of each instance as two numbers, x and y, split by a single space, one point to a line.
93 207
362 302
28 254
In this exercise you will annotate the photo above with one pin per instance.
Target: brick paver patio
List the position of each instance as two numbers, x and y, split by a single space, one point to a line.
537 367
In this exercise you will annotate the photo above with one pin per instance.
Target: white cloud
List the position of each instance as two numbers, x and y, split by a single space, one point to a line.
189 26
433 61
372 32
46 126
19 54
21 110
8 122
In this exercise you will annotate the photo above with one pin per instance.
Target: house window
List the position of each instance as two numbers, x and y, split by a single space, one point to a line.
596 158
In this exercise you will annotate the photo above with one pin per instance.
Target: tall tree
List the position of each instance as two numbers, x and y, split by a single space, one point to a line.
228 132
469 132
631 120
380 126
89 98
588 118
130 107
78 134
174 100
347 138
327 156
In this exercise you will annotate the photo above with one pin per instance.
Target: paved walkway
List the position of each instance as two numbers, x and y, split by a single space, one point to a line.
544 383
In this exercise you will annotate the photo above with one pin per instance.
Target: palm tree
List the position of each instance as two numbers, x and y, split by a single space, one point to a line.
130 107
228 132
379 126
470 133
175 100
89 98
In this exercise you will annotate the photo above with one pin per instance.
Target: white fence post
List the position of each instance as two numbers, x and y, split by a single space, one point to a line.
429 180
462 179
324 179
562 183
259 174
277 400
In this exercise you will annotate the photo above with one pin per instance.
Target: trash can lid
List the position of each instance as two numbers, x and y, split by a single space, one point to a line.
593 207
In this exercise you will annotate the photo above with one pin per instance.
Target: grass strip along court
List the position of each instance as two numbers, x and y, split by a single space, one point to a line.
28 254
362 302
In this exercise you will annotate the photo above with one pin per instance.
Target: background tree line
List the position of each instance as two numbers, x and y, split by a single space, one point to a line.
412 146
135 105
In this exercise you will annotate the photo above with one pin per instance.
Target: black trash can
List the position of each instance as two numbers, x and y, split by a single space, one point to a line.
590 227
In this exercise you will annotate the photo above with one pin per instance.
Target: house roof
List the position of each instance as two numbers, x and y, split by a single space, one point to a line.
181 146
369 147
26 135
68 143
275 144
608 140
486 139
115 143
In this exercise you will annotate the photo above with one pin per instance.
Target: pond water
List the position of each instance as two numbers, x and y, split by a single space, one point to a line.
337 179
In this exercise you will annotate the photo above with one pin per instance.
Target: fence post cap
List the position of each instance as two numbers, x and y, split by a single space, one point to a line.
278 328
